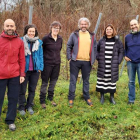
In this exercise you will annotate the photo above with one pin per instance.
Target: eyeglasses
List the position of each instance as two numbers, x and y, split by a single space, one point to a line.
83 24
56 28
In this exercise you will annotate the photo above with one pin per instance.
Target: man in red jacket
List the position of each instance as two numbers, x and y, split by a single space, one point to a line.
12 67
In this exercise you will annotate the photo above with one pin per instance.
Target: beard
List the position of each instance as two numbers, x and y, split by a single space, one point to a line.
10 32
84 29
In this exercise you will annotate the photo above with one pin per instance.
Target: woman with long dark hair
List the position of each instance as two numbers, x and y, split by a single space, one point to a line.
34 65
109 56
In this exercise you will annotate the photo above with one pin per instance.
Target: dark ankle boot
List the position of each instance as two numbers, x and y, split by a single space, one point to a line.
112 98
102 98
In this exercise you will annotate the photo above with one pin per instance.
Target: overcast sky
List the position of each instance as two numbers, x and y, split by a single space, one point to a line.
9 4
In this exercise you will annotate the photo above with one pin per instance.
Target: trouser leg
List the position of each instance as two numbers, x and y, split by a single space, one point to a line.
131 69
74 70
45 75
53 79
86 68
3 84
22 99
33 79
43 92
138 73
13 93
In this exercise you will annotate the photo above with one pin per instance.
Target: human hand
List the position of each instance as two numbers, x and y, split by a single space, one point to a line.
127 59
69 60
22 79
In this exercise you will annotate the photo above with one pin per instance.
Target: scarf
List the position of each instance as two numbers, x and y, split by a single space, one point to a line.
35 42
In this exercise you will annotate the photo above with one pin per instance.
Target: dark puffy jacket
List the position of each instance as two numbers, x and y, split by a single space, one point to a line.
117 57
73 46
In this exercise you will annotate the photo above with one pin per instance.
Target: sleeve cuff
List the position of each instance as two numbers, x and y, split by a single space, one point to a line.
22 74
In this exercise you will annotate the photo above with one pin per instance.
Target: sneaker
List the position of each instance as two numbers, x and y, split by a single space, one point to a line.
30 110
43 106
89 102
22 112
12 127
70 103
53 103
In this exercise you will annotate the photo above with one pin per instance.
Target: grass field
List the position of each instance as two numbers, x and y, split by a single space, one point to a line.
100 122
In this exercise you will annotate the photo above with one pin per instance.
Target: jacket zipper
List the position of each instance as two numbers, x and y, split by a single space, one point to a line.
78 48
54 53
8 59
91 47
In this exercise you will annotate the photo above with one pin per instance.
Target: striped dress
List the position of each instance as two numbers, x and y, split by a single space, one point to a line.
104 85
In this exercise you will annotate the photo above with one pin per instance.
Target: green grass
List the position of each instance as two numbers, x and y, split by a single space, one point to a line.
100 122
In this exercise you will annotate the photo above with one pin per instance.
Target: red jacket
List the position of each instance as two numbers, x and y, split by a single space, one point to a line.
12 56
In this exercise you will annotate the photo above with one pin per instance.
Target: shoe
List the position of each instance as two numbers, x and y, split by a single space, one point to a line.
112 98
130 103
70 103
43 106
22 112
30 110
89 102
53 103
102 98
12 127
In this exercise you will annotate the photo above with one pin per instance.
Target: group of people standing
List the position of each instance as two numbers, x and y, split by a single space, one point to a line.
82 50
21 61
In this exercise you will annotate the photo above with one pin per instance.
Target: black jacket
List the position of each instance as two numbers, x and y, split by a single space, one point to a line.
117 57
51 49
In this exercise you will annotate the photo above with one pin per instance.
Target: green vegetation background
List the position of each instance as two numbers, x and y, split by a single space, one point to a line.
100 122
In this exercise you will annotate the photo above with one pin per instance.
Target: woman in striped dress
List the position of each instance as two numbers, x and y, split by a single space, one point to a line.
109 56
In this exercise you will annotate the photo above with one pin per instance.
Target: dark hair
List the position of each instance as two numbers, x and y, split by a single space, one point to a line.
55 24
114 31
26 28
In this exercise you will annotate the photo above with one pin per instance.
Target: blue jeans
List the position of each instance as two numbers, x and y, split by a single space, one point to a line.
132 68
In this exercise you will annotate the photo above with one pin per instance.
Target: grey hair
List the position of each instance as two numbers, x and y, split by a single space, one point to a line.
134 20
84 19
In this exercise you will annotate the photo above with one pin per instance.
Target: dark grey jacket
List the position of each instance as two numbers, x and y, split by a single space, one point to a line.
117 57
73 45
